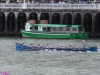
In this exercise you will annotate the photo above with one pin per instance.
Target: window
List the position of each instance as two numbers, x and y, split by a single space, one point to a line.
54 28
44 29
74 29
60 29
48 29
31 27
36 27
80 28
68 29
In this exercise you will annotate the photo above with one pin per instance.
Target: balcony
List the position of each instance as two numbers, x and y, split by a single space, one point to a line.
49 6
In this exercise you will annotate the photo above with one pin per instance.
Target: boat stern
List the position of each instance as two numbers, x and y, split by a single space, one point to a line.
93 49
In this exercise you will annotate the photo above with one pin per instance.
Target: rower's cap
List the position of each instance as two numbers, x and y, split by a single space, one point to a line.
82 40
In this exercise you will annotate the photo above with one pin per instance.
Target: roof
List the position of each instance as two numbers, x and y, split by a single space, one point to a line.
76 26
28 24
56 25
51 25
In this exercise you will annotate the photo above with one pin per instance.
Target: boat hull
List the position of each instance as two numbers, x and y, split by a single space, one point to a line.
20 47
82 35
52 35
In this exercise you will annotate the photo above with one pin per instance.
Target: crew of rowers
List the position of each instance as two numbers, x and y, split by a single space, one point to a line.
54 47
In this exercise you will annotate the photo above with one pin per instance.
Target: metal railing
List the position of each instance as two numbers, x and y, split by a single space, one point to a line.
10 6
49 6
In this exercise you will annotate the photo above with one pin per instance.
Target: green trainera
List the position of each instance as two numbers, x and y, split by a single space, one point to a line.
54 31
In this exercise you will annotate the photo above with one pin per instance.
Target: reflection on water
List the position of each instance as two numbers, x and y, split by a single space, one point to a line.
48 63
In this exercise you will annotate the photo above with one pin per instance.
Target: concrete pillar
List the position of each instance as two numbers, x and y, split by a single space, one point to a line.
50 17
61 17
82 18
39 14
27 16
6 14
16 15
93 24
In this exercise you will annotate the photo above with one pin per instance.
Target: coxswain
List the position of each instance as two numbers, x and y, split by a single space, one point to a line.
84 43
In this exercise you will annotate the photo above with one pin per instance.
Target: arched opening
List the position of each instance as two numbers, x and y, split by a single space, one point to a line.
33 16
2 21
88 22
21 21
44 17
77 19
55 18
97 24
11 22
67 19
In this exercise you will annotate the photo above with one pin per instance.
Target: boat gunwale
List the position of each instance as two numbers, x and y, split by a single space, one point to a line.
43 32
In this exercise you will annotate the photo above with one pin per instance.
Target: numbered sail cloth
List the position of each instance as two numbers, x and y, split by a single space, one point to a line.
54 31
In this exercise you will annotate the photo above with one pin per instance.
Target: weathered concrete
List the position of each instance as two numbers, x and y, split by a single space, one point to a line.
51 12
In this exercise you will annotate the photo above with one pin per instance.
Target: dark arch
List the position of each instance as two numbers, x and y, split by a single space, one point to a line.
44 16
67 19
55 18
21 20
88 22
77 19
11 22
97 23
2 21
33 16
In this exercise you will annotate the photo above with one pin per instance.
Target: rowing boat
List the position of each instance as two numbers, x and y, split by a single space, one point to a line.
21 47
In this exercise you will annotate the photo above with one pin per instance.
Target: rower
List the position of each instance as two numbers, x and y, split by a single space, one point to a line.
34 47
31 46
24 46
70 46
48 47
40 47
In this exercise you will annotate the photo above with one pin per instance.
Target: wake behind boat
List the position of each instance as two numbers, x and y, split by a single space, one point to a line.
23 47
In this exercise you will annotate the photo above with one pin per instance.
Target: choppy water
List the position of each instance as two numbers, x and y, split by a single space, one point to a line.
48 63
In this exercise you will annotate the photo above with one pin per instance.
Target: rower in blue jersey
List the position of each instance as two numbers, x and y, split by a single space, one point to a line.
84 43
40 47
